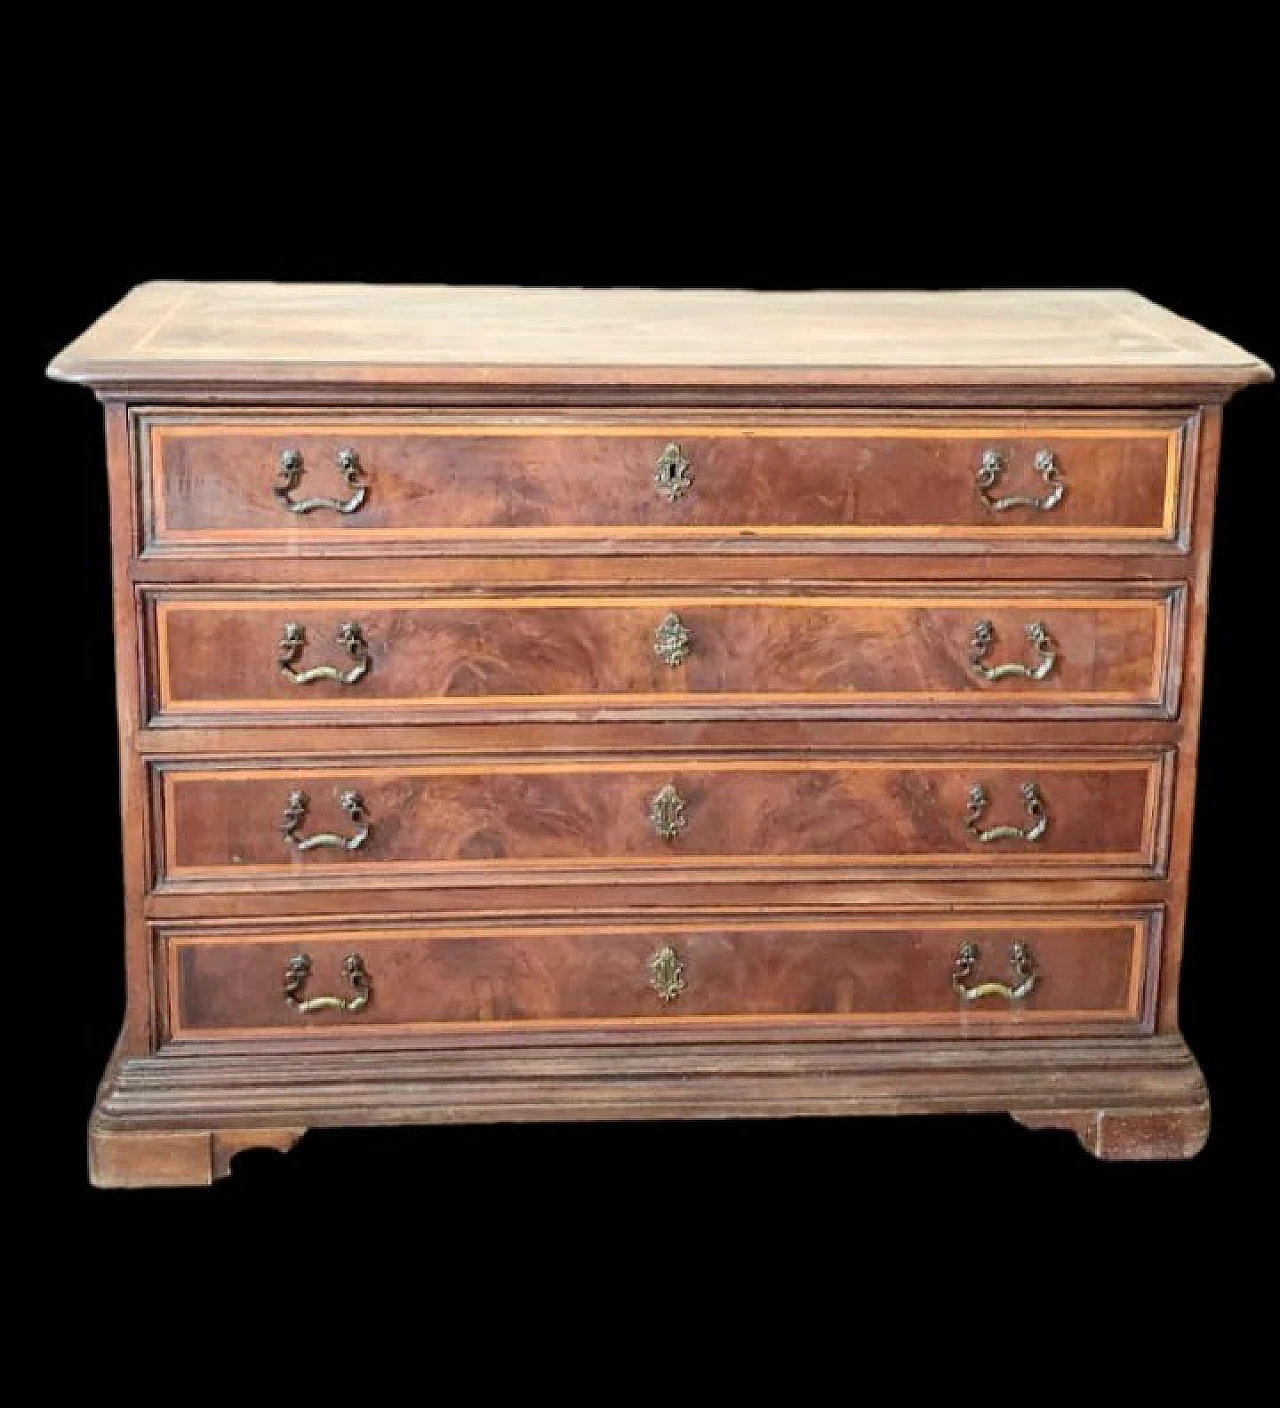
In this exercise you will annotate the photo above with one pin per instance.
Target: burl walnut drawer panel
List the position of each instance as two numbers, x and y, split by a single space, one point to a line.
279 484
357 823
997 976
978 650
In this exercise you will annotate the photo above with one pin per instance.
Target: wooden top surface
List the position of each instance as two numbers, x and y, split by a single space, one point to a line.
432 334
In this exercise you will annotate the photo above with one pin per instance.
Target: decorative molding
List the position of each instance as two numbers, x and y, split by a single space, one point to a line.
1123 1098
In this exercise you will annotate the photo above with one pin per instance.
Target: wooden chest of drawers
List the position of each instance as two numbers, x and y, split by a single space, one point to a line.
548 704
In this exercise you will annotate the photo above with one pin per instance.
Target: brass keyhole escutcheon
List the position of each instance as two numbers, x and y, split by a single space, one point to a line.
667 813
672 643
672 477
666 973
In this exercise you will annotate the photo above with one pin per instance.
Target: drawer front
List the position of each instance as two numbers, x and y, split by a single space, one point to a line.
281 483
914 975
355 659
354 823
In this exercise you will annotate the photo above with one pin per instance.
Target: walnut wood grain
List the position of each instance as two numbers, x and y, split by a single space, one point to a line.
1149 1090
466 894
1184 799
212 483
1091 974
1128 1134
217 658
290 334
128 628
176 1159
675 732
506 817
509 440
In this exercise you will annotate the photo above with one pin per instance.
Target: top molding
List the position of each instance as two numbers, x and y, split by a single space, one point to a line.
172 337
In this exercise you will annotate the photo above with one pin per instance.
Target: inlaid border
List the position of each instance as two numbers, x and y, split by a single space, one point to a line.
353 932
358 541
1166 601
1148 861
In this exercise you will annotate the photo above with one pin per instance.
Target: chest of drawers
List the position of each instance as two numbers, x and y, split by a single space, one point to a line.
556 704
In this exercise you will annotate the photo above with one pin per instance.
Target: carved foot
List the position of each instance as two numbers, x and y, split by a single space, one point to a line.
175 1159
1129 1134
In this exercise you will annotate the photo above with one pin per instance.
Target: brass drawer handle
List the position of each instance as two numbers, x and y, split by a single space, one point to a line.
984 637
672 643
666 812
295 813
666 974
298 970
1035 810
672 477
350 637
1020 964
290 472
993 466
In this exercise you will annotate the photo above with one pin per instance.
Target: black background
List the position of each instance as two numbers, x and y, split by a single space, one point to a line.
283 206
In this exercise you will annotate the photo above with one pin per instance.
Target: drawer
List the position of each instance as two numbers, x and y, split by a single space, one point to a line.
282 483
408 821
970 651
901 975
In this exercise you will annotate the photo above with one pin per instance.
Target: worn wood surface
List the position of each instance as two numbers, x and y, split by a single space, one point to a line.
1124 1097
176 1159
262 332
